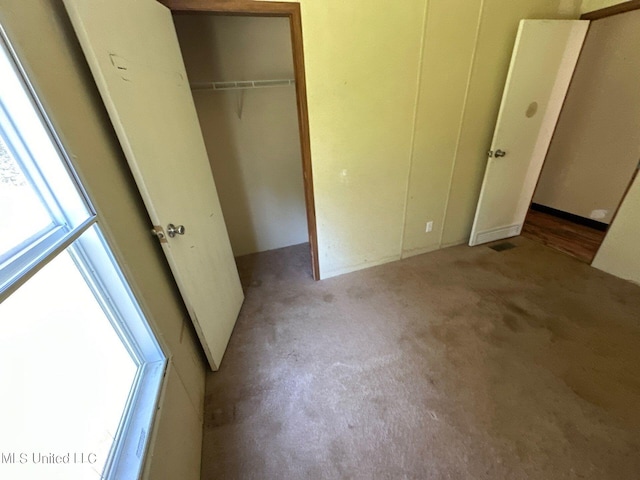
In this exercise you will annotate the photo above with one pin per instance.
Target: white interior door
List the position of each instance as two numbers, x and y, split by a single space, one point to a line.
542 64
133 53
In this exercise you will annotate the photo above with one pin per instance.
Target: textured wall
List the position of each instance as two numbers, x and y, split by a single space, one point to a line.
402 105
362 65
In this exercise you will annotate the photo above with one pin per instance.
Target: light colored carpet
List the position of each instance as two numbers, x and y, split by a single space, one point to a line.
464 363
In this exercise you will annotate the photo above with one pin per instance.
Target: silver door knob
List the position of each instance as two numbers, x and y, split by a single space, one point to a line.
500 153
172 230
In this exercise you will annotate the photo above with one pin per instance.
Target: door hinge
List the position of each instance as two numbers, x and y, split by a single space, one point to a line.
159 232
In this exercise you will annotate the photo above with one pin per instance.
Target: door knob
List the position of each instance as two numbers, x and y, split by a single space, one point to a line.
172 230
500 153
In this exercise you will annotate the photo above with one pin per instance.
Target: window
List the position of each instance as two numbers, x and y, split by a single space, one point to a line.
80 369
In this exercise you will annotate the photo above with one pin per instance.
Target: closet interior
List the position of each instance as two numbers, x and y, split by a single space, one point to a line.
241 73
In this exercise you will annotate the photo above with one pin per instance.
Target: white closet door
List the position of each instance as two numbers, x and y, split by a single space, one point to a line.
133 53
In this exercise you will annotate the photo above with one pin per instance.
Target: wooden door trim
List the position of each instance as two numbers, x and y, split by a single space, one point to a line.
613 10
292 11
233 7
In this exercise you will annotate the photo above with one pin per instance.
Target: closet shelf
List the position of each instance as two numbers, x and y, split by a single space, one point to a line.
242 85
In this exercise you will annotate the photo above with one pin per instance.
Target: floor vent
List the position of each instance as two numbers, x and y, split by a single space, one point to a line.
501 247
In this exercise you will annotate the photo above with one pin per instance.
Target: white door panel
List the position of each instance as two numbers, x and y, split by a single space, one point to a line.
133 53
542 64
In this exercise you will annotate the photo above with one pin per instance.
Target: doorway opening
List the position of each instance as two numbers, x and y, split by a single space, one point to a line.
593 157
246 72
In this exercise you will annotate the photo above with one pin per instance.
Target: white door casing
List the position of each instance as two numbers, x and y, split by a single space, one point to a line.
133 52
542 64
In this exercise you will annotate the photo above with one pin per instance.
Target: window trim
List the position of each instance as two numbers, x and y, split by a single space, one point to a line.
126 457
26 261
97 263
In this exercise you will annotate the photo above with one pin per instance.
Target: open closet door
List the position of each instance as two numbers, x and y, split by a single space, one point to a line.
133 53
542 64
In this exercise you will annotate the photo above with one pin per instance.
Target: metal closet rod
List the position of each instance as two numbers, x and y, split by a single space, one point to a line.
242 84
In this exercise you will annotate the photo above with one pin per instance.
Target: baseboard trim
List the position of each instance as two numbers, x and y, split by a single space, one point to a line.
587 222
496 234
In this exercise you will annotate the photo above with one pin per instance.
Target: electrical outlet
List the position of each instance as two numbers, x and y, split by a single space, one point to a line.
429 226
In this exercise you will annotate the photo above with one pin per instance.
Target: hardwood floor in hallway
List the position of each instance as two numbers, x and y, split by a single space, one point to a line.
577 240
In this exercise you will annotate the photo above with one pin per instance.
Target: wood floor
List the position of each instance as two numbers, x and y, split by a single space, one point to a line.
577 240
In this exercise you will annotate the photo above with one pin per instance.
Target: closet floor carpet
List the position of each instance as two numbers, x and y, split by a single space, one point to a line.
465 363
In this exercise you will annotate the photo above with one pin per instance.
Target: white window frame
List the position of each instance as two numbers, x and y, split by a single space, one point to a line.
75 228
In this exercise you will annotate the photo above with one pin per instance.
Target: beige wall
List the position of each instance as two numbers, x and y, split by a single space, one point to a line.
362 65
43 38
596 145
449 45
251 135
402 104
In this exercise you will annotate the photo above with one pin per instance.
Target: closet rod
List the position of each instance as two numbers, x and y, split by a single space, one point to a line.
242 85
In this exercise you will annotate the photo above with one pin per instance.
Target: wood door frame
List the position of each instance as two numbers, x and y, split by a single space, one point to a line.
611 11
290 10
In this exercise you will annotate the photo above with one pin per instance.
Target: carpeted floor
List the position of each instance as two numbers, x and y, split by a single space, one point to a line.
466 363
